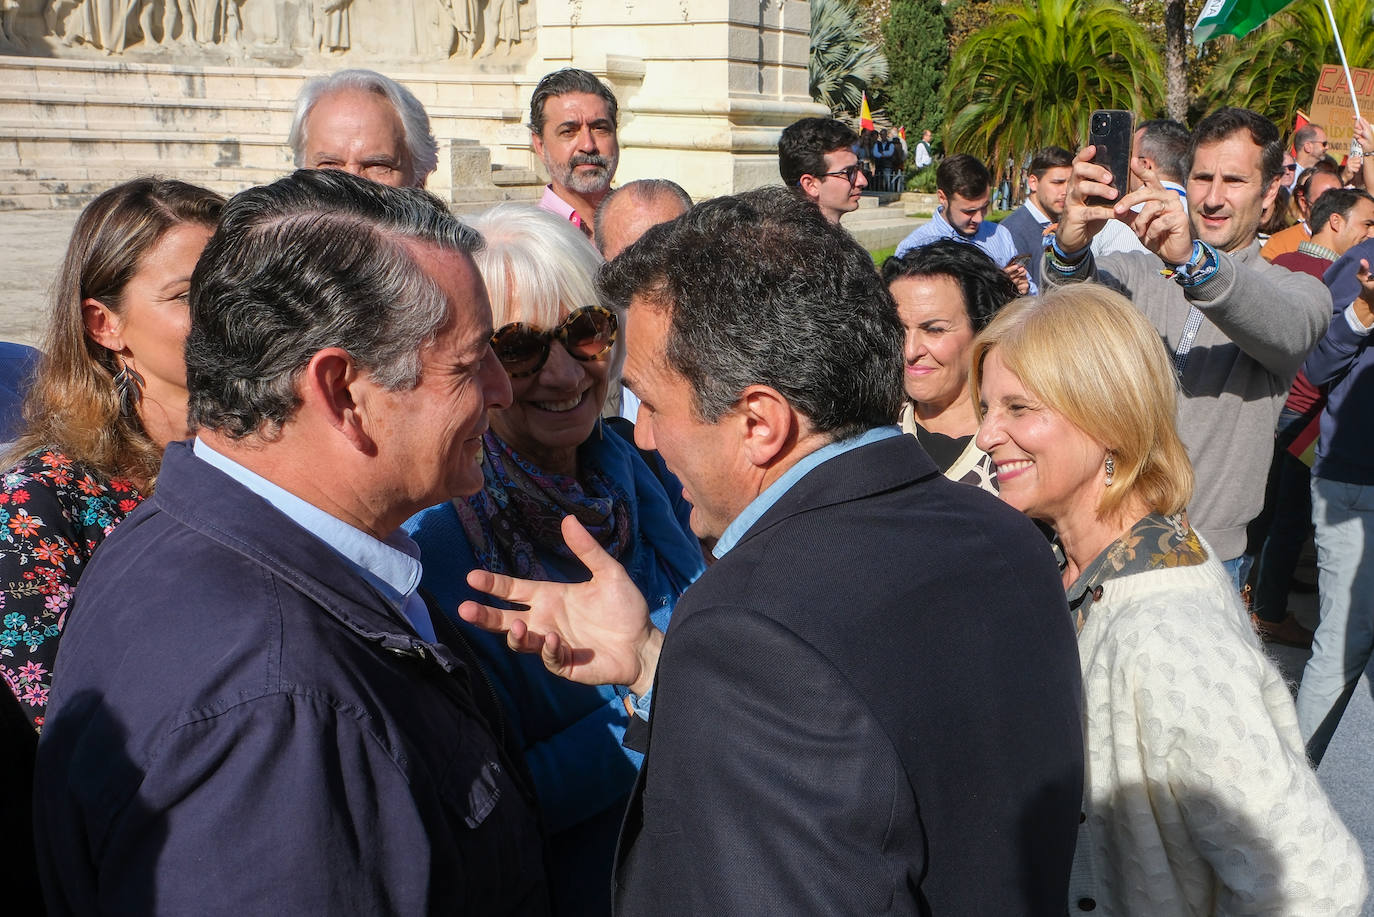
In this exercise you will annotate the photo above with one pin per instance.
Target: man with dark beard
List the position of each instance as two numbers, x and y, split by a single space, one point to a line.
572 129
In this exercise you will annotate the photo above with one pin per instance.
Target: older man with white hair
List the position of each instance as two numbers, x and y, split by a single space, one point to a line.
365 123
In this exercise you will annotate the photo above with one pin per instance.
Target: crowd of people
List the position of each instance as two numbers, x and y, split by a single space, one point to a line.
624 555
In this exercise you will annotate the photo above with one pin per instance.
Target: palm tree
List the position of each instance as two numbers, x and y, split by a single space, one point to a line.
1036 72
1274 69
844 60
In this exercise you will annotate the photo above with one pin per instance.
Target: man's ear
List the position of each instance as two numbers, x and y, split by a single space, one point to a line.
102 325
810 186
771 425
1271 192
537 144
335 392
940 196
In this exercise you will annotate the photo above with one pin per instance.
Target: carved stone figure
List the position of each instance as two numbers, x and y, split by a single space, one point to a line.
9 12
331 25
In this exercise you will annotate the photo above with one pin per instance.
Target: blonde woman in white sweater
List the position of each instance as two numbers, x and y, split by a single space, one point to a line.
1198 798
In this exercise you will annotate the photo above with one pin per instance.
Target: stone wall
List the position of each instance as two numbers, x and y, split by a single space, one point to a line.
94 91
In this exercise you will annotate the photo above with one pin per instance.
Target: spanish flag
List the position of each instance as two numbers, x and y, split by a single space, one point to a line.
865 115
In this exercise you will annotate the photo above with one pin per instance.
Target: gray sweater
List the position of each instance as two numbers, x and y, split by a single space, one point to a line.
1259 322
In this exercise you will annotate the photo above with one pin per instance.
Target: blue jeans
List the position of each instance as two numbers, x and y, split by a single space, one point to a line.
1343 514
1238 568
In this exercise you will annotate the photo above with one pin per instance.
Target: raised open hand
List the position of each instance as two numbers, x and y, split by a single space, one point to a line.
594 633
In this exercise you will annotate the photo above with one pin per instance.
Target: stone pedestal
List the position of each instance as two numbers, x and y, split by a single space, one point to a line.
93 92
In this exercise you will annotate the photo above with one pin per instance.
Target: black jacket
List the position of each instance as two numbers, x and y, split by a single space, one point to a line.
870 705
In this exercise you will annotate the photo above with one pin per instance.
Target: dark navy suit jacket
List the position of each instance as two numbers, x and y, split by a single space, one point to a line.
869 705
240 725
1029 235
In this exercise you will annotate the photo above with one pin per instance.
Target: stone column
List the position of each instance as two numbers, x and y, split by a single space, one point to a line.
705 86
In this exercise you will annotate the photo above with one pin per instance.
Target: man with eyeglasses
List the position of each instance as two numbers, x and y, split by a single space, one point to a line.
1309 146
816 158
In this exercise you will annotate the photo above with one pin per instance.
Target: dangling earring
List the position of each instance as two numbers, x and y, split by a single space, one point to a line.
128 383
1111 468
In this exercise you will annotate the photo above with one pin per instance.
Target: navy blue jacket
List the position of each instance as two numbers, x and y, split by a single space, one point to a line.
239 725
1345 361
870 705
1029 236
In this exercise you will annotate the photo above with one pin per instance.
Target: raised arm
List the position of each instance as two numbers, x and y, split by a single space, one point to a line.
1335 353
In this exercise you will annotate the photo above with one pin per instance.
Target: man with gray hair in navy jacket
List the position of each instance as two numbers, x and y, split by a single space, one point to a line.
255 711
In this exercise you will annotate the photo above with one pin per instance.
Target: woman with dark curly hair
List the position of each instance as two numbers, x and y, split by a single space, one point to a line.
945 292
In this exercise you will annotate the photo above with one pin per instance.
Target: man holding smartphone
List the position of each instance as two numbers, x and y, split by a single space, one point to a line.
1237 327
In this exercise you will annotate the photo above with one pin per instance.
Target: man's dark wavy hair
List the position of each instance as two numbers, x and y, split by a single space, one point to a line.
1225 122
803 145
759 288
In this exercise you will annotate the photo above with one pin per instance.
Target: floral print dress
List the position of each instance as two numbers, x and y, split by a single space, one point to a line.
54 513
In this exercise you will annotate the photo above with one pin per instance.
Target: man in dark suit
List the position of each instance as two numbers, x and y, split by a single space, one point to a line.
870 702
1048 184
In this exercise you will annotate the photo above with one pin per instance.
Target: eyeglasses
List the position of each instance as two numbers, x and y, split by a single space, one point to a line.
587 334
848 173
1290 167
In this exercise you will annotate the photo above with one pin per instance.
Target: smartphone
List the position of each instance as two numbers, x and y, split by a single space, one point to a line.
1021 260
1112 132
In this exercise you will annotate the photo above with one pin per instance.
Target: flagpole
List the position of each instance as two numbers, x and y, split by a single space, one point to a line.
1349 81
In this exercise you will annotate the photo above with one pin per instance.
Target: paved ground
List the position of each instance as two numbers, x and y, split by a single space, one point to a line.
31 248
32 243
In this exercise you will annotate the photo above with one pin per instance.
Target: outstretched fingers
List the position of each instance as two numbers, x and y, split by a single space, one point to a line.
496 620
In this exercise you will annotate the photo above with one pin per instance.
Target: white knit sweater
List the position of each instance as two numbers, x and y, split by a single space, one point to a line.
1198 795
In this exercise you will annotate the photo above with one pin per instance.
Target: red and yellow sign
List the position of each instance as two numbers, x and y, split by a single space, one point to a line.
1331 106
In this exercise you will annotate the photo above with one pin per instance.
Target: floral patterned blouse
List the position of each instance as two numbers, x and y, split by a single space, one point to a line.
1155 542
54 513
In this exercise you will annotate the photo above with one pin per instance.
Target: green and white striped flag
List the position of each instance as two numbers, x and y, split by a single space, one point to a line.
1233 17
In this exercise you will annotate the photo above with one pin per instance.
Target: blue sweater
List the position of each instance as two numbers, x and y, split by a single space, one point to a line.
1344 360
572 733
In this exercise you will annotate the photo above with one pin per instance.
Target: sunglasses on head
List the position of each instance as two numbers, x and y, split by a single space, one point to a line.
587 334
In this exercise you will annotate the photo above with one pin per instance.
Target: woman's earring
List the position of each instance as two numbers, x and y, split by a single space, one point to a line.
1111 468
128 385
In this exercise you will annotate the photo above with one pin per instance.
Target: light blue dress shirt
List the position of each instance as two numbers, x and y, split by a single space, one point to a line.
392 567
643 704
993 239
774 492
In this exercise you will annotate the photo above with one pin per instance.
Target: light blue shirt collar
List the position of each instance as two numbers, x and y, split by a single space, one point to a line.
764 501
392 566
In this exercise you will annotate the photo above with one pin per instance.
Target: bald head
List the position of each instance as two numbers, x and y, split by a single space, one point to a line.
632 209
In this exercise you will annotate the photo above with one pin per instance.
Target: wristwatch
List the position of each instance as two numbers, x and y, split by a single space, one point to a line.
1202 263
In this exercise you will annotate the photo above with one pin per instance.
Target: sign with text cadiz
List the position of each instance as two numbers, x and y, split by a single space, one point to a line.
1331 107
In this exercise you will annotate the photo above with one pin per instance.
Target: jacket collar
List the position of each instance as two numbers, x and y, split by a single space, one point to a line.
882 466
210 502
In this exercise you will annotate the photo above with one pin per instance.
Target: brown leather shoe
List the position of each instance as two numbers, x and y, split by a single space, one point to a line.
1288 631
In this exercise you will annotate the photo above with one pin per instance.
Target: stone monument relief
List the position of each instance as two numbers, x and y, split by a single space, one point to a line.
284 33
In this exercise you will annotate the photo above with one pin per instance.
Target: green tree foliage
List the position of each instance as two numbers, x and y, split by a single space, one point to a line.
1035 73
844 61
966 17
916 43
1274 69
